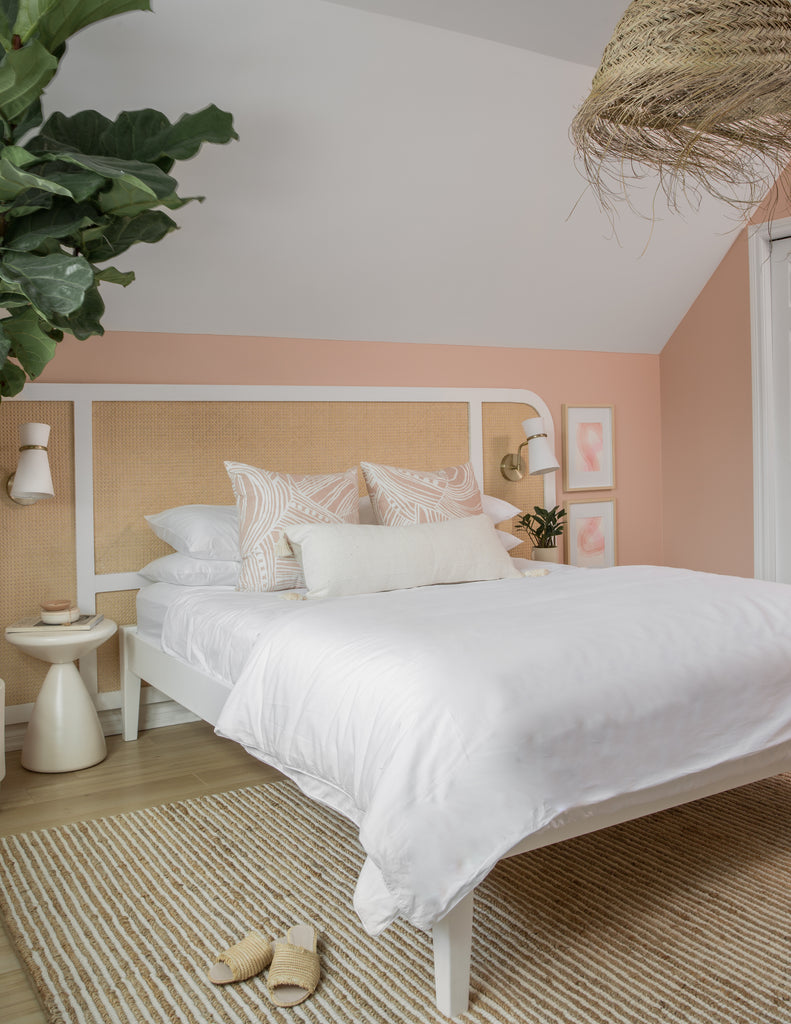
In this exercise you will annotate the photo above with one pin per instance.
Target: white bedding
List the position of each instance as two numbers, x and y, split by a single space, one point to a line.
451 722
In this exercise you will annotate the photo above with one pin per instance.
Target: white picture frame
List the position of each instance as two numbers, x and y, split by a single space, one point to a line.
590 534
588 447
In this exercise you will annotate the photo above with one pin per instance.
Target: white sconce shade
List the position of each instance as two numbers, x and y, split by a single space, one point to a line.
540 457
32 480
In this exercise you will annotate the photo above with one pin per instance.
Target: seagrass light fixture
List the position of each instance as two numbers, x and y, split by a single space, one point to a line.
698 91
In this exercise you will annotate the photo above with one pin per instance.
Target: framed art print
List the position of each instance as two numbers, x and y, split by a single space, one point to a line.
588 448
590 542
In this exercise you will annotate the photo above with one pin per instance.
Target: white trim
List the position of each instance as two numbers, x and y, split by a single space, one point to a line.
759 244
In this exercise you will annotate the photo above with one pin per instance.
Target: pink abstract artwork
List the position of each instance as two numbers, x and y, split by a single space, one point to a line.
591 542
589 446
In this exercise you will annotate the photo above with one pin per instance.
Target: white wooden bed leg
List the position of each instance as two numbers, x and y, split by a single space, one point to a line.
130 691
452 949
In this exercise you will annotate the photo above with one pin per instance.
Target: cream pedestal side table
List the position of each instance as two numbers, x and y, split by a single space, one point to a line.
64 732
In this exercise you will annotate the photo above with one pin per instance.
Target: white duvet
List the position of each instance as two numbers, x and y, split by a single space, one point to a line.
450 722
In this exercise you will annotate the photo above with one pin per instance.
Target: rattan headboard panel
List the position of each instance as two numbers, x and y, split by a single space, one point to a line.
149 456
38 540
502 433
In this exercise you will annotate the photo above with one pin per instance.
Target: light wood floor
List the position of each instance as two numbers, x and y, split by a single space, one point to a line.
163 765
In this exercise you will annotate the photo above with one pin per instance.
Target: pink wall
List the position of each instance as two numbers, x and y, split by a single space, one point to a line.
707 426
707 429
629 382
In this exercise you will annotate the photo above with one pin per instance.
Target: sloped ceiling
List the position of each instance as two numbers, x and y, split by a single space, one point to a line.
575 30
393 181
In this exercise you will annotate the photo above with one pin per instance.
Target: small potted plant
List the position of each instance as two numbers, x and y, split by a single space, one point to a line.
543 526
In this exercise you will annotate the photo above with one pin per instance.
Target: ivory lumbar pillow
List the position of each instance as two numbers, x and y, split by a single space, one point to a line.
339 560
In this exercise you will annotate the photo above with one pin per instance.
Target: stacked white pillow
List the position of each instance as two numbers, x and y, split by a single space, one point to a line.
206 538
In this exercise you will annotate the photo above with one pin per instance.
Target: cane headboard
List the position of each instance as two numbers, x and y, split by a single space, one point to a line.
119 452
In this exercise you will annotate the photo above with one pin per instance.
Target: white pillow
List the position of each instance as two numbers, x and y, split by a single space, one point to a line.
508 541
203 531
343 559
498 510
187 571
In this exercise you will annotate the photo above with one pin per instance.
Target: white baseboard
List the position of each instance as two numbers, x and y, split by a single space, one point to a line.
152 716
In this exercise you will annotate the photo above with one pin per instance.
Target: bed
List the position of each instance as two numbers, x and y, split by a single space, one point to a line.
135 451
459 723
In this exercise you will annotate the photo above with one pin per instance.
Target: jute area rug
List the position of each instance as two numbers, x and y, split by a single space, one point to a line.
683 917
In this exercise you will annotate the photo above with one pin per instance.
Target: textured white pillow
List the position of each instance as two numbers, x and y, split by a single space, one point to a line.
401 497
269 502
339 560
203 531
508 541
186 571
498 510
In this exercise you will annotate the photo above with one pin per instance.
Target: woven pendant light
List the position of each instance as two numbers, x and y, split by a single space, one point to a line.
696 90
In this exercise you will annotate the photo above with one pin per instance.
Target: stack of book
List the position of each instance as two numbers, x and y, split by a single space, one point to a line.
35 624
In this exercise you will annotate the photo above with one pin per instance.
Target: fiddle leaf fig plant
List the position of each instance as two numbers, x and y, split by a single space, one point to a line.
543 526
79 192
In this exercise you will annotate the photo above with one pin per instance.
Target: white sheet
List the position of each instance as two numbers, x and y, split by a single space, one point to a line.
451 722
152 603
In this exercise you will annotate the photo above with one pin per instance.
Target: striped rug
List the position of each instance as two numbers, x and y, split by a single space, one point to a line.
683 917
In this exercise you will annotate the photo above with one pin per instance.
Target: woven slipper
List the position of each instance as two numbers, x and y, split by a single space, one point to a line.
242 961
295 969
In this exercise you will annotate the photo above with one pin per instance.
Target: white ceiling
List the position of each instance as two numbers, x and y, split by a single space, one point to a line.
393 181
575 30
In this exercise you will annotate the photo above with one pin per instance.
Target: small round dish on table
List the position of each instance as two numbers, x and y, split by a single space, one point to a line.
64 733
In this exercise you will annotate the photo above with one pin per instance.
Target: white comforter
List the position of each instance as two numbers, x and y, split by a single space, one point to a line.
451 722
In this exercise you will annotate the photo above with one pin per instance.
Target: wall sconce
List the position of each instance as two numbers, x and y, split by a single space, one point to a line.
540 456
32 480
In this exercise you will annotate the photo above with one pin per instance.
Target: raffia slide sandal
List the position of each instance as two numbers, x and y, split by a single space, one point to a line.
296 968
244 960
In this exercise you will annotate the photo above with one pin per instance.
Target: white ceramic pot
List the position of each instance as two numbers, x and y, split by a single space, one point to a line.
545 554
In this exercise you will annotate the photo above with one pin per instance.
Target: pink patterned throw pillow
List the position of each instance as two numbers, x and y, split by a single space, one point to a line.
403 496
268 503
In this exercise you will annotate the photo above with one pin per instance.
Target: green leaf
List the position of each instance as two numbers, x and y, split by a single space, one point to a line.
146 177
8 15
30 119
12 379
81 132
191 130
84 322
31 13
14 178
78 182
109 241
28 201
5 345
30 343
62 18
123 199
148 135
134 135
55 284
12 299
24 74
63 219
112 275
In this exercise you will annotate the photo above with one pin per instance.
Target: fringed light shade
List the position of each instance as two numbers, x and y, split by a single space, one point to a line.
696 90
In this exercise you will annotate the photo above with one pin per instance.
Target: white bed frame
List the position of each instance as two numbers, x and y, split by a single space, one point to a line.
204 696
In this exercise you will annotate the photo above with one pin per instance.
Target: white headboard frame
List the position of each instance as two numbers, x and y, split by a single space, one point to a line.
82 396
